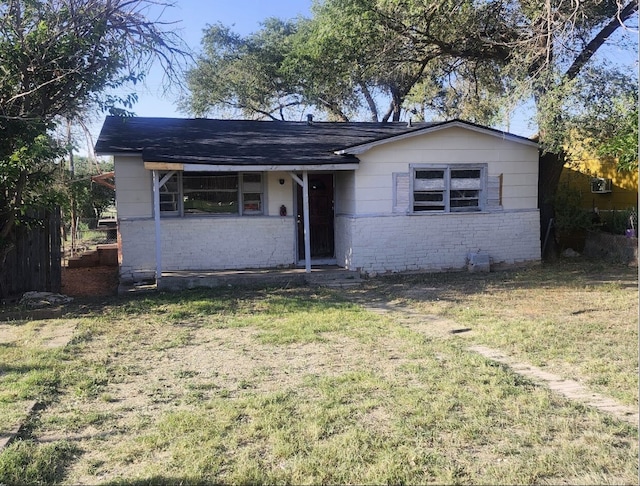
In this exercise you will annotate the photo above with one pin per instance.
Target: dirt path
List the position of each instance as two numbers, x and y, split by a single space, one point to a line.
568 388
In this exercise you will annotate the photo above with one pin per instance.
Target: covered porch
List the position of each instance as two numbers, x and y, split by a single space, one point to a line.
309 220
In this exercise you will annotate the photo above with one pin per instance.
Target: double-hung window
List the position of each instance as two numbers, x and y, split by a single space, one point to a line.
215 193
448 188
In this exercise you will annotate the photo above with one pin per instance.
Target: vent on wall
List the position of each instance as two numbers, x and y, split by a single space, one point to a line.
600 185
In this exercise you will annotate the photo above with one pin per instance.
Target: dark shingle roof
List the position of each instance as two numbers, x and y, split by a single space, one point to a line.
240 142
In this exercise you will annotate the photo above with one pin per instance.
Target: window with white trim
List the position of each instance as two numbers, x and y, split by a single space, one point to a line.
448 188
215 193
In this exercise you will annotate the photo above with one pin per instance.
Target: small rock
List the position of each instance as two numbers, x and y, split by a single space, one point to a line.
570 253
39 300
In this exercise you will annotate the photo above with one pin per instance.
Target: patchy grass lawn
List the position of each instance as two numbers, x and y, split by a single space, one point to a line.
576 319
315 386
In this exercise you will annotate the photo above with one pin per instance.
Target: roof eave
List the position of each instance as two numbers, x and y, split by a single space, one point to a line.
269 168
113 153
362 148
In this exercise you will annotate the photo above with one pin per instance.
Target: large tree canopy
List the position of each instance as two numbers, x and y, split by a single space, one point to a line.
436 58
57 59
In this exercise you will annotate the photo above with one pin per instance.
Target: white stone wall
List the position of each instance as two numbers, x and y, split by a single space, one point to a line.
206 243
383 244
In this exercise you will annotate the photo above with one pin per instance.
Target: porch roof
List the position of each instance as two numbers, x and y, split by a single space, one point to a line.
241 143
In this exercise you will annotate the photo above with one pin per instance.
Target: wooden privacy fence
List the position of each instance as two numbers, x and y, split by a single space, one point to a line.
35 263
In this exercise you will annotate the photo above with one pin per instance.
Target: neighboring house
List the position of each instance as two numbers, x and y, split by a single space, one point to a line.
599 182
199 194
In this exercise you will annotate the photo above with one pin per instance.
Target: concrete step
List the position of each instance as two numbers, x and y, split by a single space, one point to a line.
89 258
333 278
106 255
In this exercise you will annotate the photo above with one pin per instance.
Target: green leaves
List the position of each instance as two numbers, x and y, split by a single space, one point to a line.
57 59
623 145
244 75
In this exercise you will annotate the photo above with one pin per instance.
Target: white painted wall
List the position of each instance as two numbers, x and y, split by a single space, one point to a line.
200 242
134 192
344 192
278 194
435 242
371 239
206 243
369 236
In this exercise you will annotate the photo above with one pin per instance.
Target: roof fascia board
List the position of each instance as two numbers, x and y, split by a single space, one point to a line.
359 149
119 154
266 168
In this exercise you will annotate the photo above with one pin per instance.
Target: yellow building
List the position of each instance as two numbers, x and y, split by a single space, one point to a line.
600 184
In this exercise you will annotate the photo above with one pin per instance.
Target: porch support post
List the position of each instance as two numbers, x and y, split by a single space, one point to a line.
307 230
304 183
156 217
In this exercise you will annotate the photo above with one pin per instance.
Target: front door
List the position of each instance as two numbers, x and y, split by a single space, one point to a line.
320 217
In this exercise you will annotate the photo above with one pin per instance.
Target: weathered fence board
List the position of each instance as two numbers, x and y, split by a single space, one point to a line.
35 262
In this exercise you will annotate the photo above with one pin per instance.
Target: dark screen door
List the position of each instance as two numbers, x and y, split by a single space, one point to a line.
320 217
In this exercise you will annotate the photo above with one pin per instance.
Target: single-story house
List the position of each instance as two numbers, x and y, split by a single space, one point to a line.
204 194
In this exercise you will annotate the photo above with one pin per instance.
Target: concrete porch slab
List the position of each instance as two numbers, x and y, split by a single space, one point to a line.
333 276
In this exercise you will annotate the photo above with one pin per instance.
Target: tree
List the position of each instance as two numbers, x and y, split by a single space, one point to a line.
243 74
92 199
537 49
623 143
606 118
57 59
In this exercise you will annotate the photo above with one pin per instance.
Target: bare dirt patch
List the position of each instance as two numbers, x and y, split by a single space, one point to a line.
44 333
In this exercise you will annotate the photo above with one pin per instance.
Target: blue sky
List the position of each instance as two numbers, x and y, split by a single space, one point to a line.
192 16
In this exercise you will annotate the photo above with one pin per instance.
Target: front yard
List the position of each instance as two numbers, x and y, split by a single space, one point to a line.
367 385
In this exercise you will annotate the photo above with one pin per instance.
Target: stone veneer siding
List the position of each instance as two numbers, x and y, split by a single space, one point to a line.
206 243
400 243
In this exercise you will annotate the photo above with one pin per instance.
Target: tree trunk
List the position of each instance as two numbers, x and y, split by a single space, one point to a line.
550 168
371 103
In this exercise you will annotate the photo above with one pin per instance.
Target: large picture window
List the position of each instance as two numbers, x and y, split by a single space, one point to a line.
216 193
453 188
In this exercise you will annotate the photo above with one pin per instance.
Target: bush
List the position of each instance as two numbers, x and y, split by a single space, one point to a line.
570 217
617 222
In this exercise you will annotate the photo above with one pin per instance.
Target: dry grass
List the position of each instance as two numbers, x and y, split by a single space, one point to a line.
305 386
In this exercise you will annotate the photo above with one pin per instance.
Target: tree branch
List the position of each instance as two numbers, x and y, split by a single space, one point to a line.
591 48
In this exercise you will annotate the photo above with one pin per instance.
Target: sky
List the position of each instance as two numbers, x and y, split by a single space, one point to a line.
245 17
192 16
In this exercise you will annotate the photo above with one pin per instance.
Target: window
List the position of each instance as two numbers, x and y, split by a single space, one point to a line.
170 195
221 193
448 188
